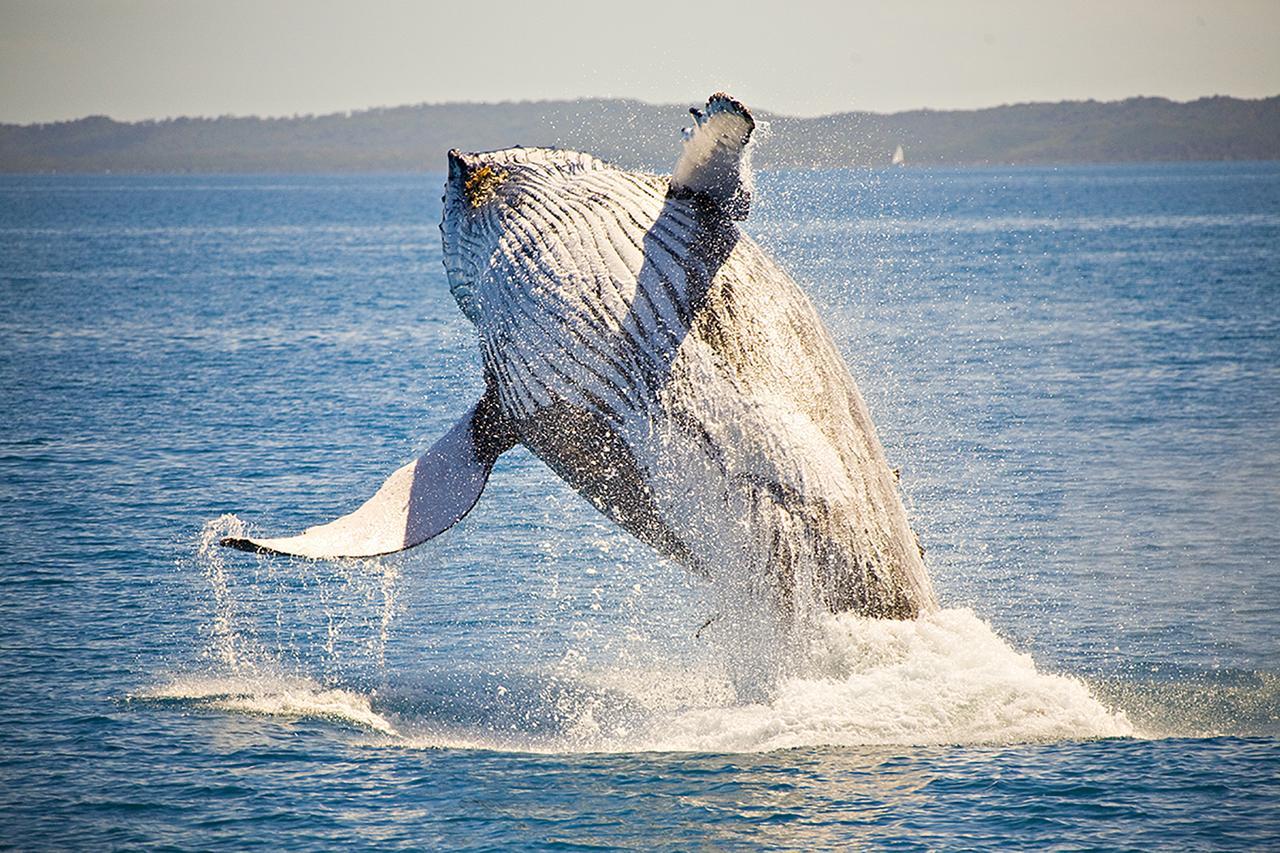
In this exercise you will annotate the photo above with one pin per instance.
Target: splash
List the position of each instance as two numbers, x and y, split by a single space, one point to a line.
225 641
276 696
943 679
274 616
946 678
273 622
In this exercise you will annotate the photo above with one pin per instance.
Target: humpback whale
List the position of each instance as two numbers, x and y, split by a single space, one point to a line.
650 353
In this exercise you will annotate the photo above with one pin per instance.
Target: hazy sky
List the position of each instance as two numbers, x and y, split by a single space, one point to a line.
135 59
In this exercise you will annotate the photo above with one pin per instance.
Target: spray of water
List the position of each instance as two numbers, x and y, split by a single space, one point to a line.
739 686
283 636
223 638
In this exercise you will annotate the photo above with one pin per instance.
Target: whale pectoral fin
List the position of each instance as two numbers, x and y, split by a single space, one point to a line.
715 163
420 500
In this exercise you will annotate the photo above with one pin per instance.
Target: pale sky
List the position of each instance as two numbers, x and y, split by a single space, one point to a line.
133 59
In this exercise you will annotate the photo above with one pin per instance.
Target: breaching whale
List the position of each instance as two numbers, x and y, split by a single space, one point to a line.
650 353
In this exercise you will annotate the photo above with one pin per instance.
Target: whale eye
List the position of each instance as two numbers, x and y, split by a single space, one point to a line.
482 184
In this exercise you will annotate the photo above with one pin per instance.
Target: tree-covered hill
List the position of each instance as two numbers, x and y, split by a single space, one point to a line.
635 134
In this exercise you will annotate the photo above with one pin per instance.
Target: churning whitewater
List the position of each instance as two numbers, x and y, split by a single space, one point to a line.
658 361
943 678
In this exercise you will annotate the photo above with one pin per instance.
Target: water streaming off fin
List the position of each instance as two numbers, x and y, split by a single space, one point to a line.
331 618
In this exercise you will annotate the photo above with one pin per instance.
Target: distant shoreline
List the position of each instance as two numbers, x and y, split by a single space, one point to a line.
440 173
633 134
554 103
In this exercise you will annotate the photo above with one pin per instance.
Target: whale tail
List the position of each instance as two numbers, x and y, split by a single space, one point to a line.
715 164
419 501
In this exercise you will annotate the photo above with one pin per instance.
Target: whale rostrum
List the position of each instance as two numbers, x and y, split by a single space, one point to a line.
665 367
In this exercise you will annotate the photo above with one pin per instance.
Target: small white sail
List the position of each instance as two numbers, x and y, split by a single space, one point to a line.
899 158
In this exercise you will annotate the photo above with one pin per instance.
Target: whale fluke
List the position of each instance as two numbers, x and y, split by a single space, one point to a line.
420 500
715 164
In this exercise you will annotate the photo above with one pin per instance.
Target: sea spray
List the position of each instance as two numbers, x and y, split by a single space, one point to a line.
272 695
945 678
223 639
270 610
740 683
283 635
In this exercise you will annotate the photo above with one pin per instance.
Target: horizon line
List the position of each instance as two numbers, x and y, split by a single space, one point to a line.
352 113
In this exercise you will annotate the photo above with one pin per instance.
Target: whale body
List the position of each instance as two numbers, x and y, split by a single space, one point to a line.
655 358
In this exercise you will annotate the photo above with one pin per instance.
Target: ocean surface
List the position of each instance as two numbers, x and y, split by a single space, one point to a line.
1077 369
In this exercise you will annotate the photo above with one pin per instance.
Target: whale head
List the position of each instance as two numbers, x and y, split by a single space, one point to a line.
490 194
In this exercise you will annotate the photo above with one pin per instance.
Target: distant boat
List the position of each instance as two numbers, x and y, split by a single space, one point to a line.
899 159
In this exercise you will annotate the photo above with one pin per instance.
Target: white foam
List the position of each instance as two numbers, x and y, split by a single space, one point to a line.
280 696
946 678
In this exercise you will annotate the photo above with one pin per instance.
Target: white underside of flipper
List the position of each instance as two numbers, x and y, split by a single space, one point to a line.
420 500
716 162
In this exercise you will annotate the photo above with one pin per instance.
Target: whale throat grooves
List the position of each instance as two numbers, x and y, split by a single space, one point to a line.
665 367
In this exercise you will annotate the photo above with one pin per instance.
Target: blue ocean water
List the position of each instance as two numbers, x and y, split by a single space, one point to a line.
1078 371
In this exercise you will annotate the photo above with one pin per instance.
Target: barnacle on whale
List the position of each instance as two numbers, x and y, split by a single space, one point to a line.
482 184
